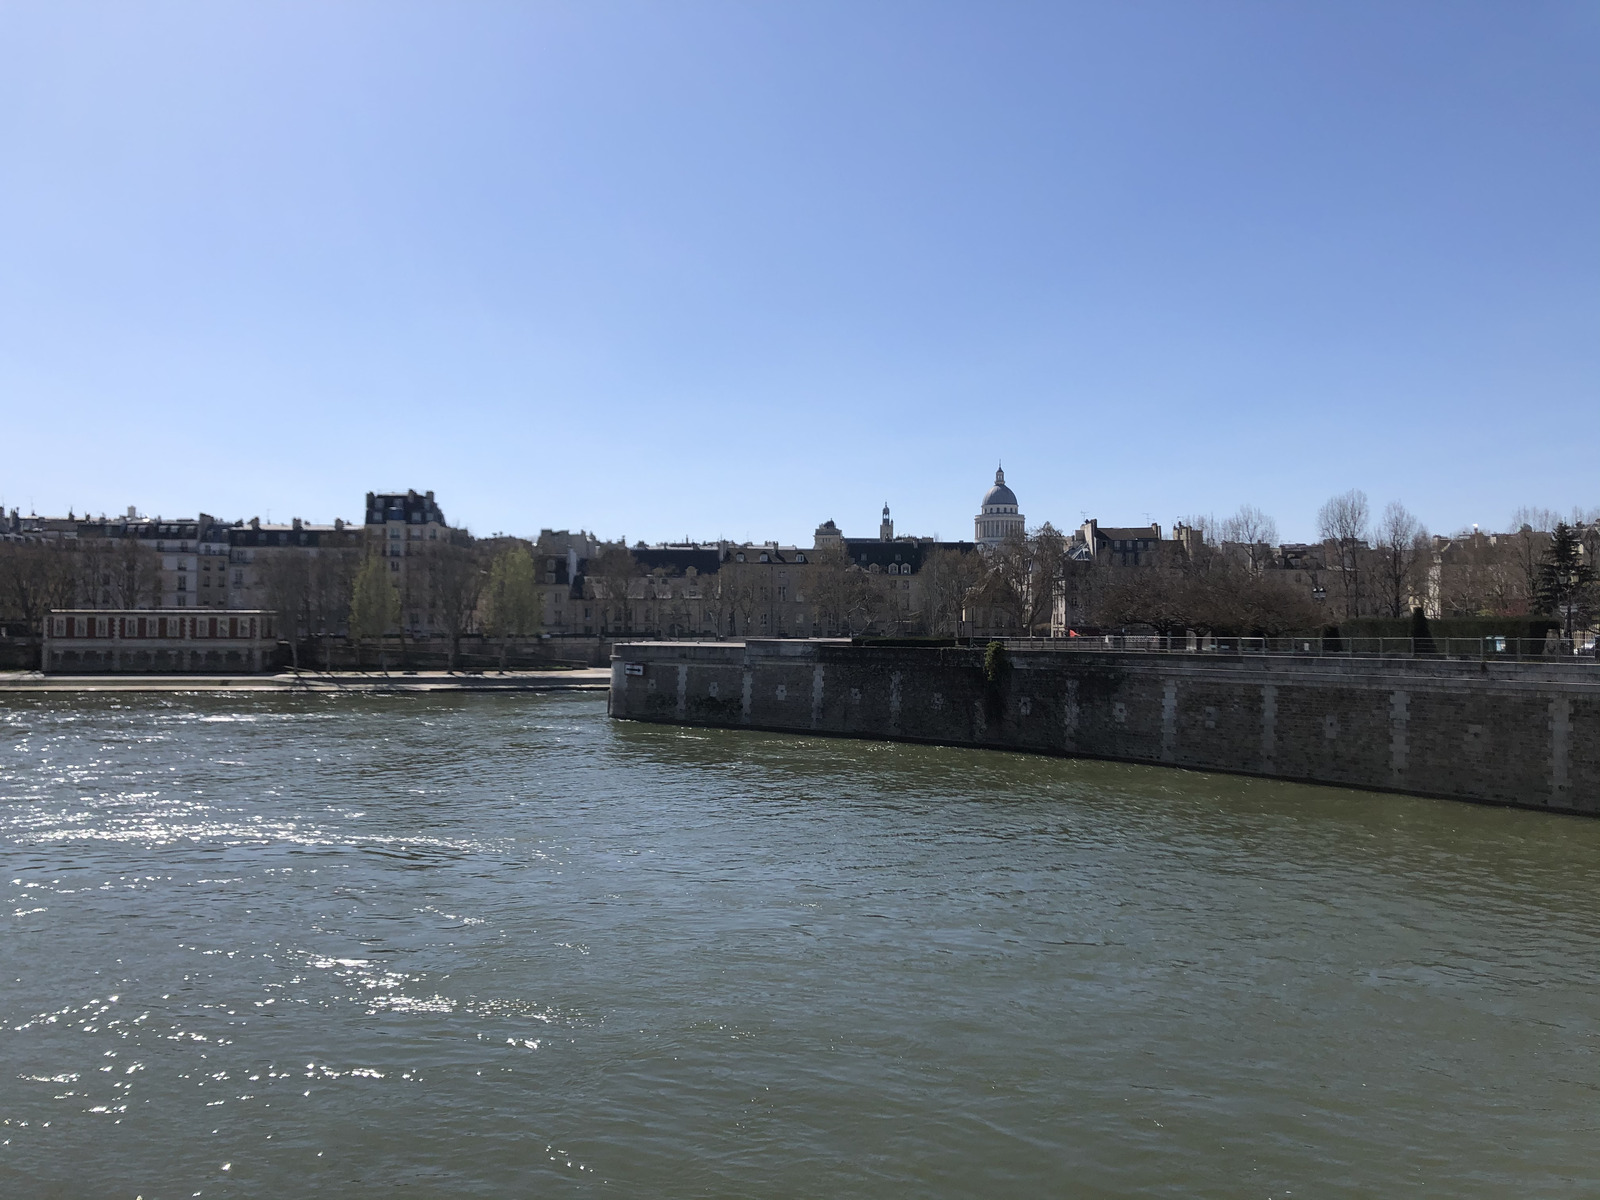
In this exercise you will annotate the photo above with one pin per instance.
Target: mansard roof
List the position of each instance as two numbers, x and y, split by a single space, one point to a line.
410 506
869 552
677 559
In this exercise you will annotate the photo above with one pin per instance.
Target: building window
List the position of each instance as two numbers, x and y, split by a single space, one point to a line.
394 566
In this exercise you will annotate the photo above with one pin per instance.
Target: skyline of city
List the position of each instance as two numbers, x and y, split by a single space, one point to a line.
620 267
851 524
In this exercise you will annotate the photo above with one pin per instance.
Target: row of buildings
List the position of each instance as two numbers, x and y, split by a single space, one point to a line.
1005 581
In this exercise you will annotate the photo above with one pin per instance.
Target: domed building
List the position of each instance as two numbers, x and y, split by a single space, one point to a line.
999 515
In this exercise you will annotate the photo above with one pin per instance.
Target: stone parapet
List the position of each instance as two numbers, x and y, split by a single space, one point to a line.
1499 733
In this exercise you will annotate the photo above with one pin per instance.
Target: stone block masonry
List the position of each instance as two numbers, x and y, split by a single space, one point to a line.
1508 733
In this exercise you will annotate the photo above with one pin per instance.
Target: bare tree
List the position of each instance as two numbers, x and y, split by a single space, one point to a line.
34 578
832 587
611 575
1206 526
1048 548
333 573
1527 550
675 616
1343 522
1012 565
745 594
1158 597
946 577
135 573
1402 543
287 577
1255 531
1535 518
93 572
1477 578
456 578
1208 593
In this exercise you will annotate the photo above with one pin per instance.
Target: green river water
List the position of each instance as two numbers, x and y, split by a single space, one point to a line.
499 945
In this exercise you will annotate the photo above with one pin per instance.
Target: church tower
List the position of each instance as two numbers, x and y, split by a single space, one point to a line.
886 530
998 515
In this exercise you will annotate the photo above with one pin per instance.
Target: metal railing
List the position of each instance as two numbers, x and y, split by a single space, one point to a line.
1477 649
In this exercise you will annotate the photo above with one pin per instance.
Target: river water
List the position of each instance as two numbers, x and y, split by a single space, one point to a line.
456 945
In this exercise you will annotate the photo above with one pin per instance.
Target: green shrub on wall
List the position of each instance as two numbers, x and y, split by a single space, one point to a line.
994 663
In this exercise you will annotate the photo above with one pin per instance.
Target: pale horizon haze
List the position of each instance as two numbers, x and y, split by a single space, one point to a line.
709 269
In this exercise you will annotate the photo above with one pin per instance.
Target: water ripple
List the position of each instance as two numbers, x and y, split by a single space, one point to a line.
488 945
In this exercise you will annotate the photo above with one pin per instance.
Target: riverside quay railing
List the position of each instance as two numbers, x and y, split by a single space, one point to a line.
1476 649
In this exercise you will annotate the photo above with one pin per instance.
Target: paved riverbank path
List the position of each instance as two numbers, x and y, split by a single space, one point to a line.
588 679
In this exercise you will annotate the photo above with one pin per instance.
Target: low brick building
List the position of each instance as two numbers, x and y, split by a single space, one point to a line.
136 641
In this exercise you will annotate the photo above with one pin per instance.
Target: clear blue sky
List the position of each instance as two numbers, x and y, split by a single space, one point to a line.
734 268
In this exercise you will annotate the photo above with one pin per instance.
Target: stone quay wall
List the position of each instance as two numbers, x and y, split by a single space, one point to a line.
1513 734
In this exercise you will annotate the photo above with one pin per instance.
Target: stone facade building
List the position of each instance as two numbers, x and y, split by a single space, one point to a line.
403 527
136 640
1134 546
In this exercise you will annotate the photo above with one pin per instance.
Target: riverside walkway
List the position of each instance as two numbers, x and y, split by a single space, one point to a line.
586 679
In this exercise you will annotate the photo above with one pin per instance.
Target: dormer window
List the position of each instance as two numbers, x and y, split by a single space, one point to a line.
799 558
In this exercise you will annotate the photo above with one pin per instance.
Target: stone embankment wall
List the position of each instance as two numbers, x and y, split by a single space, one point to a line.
1519 734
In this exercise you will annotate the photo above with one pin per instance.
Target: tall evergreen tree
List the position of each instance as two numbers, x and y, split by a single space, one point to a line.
1566 580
